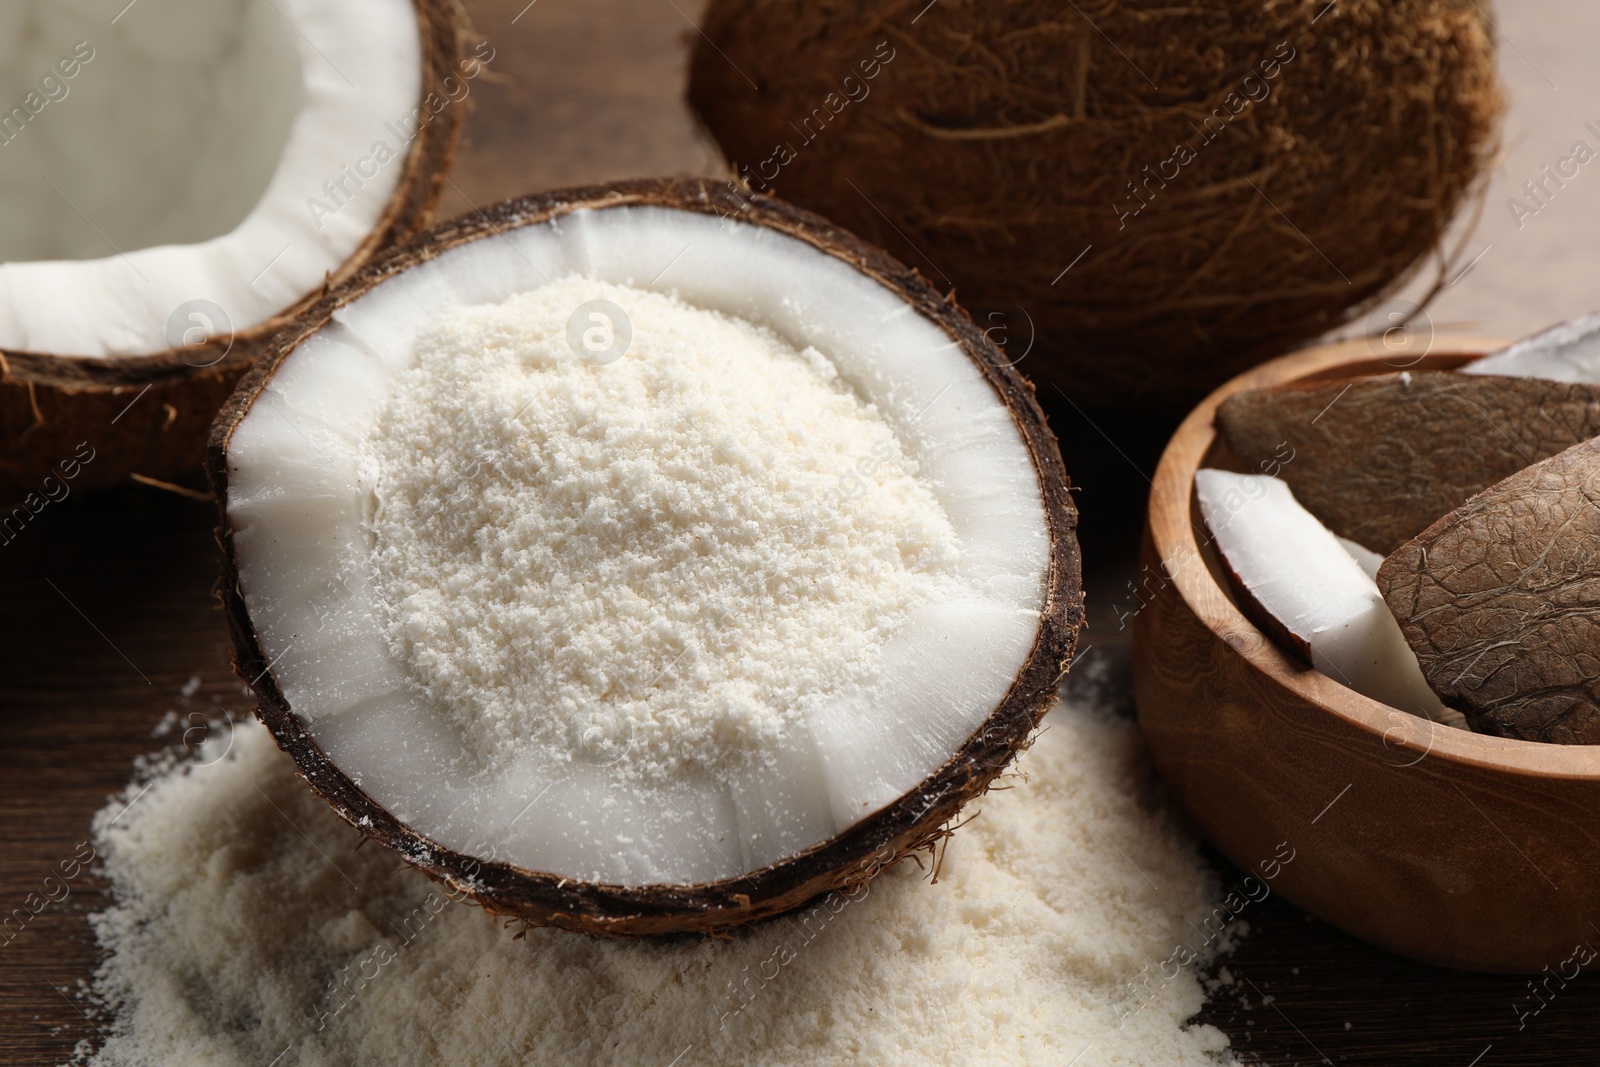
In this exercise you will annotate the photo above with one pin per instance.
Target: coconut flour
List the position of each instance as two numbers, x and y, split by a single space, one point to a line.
607 518
248 930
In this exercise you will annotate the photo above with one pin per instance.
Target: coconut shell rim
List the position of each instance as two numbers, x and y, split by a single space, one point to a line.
849 858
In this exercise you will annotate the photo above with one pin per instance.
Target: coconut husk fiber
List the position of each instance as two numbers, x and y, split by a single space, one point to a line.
1005 140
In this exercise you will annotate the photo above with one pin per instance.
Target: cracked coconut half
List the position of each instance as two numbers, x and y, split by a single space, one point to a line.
183 177
645 559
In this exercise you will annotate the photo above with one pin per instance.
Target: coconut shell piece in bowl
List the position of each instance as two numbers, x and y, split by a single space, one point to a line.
1500 599
1450 847
313 458
1379 459
155 257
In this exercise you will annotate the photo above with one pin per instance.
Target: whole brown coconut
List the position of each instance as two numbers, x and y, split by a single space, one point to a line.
1139 199
147 416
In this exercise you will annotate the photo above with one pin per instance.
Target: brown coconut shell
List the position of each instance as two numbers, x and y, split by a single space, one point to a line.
997 146
149 415
1379 458
914 821
1500 600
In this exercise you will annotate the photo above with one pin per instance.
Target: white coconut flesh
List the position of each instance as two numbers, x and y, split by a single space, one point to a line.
1369 560
1566 352
1301 575
311 505
165 152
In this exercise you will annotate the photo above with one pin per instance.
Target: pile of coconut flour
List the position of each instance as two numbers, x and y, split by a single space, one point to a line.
600 504
248 930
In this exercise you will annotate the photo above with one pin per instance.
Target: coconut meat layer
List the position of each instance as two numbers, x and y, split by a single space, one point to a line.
182 165
1316 588
306 500
1566 352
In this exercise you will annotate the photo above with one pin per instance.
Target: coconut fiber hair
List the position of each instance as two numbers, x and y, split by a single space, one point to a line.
1224 181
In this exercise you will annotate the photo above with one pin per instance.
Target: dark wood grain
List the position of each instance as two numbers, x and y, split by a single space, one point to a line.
105 614
582 91
593 93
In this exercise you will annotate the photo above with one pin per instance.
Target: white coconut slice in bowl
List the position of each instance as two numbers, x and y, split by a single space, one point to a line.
183 177
1313 591
645 559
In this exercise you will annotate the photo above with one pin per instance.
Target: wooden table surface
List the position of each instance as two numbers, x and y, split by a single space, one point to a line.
106 614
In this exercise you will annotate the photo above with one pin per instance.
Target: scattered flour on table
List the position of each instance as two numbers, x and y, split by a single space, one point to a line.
248 931
704 536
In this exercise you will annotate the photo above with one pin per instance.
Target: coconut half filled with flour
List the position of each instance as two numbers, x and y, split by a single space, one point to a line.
181 178
645 559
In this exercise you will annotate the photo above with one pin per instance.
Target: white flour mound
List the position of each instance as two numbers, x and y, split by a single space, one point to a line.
247 931
659 534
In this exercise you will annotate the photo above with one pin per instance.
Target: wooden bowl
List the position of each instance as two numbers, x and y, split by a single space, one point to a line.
1446 846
